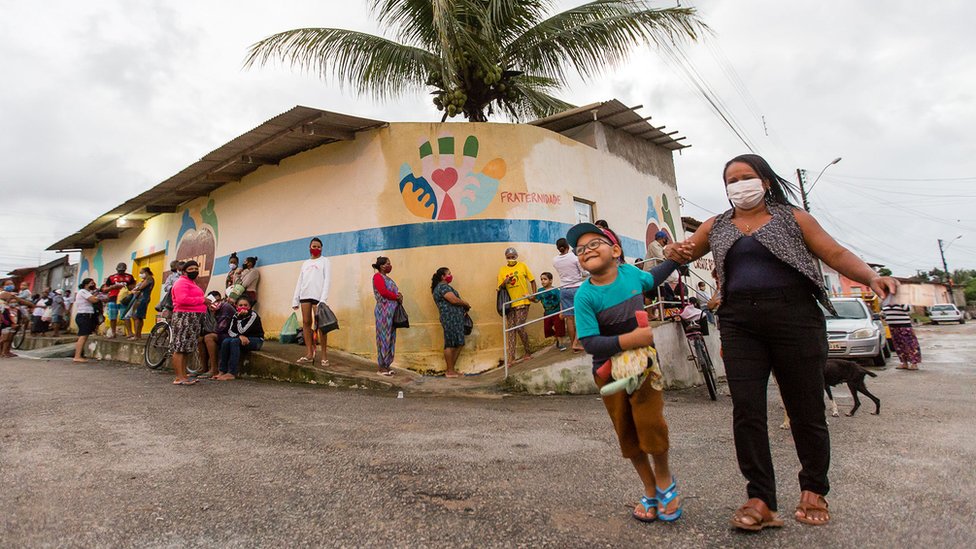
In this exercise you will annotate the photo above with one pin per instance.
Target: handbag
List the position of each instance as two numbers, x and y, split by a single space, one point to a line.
208 324
400 319
468 324
501 302
325 319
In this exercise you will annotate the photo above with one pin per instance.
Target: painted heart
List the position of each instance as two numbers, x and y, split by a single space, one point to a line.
445 178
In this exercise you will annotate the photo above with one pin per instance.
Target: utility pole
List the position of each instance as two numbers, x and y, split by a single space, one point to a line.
801 176
945 267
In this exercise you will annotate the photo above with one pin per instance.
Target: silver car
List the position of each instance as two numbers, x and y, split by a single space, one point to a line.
946 312
855 332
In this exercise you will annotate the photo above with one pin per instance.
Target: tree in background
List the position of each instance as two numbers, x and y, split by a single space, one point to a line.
477 56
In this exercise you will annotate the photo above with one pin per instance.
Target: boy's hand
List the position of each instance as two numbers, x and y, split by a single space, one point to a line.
640 337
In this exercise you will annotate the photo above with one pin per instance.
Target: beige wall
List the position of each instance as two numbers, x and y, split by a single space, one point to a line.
343 191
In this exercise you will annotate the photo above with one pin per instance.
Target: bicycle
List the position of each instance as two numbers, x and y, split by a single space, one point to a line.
699 354
23 325
158 348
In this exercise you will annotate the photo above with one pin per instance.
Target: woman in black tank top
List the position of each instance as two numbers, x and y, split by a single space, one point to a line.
767 255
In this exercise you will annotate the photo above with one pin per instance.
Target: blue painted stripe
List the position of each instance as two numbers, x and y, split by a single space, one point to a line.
418 235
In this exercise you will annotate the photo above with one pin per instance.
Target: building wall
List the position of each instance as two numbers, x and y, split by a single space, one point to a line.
363 199
922 295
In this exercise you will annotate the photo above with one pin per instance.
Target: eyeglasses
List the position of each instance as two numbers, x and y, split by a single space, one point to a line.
591 245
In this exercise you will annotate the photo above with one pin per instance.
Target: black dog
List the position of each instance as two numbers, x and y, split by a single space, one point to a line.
846 371
839 371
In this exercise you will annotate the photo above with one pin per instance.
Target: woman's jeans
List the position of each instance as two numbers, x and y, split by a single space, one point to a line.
230 353
782 332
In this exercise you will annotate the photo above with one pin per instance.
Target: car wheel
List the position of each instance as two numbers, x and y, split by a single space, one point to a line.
879 359
934 323
962 321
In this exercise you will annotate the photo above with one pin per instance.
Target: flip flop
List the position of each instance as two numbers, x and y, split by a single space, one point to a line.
664 498
325 363
648 504
761 515
805 507
304 360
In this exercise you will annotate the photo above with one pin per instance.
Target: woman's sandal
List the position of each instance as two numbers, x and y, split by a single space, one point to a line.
304 360
325 363
664 498
812 502
648 504
759 513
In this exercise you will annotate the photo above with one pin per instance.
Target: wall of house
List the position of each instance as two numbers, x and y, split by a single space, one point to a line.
503 185
922 295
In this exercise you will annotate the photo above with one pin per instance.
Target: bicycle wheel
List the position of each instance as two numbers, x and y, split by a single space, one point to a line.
19 336
705 363
193 364
157 345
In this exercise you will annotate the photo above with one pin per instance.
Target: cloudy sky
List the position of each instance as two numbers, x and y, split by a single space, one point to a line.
105 98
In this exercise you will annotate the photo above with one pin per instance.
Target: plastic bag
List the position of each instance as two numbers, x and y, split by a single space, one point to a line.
290 329
400 319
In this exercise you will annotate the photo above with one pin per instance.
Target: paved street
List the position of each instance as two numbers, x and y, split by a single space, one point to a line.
108 455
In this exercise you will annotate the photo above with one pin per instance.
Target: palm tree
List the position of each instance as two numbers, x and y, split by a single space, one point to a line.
479 55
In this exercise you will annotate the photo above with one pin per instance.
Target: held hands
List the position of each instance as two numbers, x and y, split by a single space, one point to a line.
884 286
680 252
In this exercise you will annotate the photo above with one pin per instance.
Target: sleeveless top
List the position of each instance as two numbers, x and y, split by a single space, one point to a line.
781 236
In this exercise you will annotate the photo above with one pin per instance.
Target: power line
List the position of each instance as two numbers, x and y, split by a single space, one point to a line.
923 180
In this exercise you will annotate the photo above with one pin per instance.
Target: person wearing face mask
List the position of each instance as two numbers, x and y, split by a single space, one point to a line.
85 317
769 283
233 274
245 332
452 309
249 278
516 278
140 305
189 306
311 289
113 285
387 297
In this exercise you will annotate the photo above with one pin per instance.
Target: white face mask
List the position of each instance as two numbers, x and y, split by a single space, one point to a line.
142 275
746 194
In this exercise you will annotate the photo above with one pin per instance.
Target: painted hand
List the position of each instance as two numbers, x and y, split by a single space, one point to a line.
449 189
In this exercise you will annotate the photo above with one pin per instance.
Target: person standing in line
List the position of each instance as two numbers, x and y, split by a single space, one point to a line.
245 333
58 311
41 302
189 307
451 308
903 335
140 305
553 326
85 317
113 285
249 278
165 306
516 278
233 275
571 275
766 251
311 289
387 296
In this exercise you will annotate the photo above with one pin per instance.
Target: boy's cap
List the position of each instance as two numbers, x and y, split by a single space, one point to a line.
579 230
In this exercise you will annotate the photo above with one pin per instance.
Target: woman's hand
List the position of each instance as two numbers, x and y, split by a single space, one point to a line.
245 340
714 303
884 286
680 252
399 297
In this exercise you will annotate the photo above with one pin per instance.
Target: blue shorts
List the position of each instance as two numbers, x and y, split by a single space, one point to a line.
566 296
113 309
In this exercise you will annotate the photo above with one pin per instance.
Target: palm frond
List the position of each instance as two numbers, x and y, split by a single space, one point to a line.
598 35
533 100
370 64
508 19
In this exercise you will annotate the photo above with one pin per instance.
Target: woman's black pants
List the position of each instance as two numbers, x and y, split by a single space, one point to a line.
782 332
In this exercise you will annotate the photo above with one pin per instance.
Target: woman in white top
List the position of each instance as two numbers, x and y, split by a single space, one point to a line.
312 288
85 317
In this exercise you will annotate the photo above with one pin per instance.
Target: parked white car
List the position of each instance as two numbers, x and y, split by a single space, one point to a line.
946 312
855 332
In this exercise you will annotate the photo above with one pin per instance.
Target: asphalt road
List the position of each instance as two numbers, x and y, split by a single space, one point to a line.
110 455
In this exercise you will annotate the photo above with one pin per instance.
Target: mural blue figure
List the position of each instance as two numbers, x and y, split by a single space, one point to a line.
188 224
209 217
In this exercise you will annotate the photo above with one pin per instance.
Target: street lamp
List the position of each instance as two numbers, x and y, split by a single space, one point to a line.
836 160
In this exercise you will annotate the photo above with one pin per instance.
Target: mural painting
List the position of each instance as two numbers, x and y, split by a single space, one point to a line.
199 244
91 269
449 189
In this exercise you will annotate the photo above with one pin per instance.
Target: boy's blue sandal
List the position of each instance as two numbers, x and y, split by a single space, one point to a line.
648 504
664 498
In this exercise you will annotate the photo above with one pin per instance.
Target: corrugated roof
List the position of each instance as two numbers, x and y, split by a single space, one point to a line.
615 114
289 133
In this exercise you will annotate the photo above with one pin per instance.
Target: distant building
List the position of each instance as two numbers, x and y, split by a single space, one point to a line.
57 274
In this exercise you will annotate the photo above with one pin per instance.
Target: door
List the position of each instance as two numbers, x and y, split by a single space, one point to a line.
155 263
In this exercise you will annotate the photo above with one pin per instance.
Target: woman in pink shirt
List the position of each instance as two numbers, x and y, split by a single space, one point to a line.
188 310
